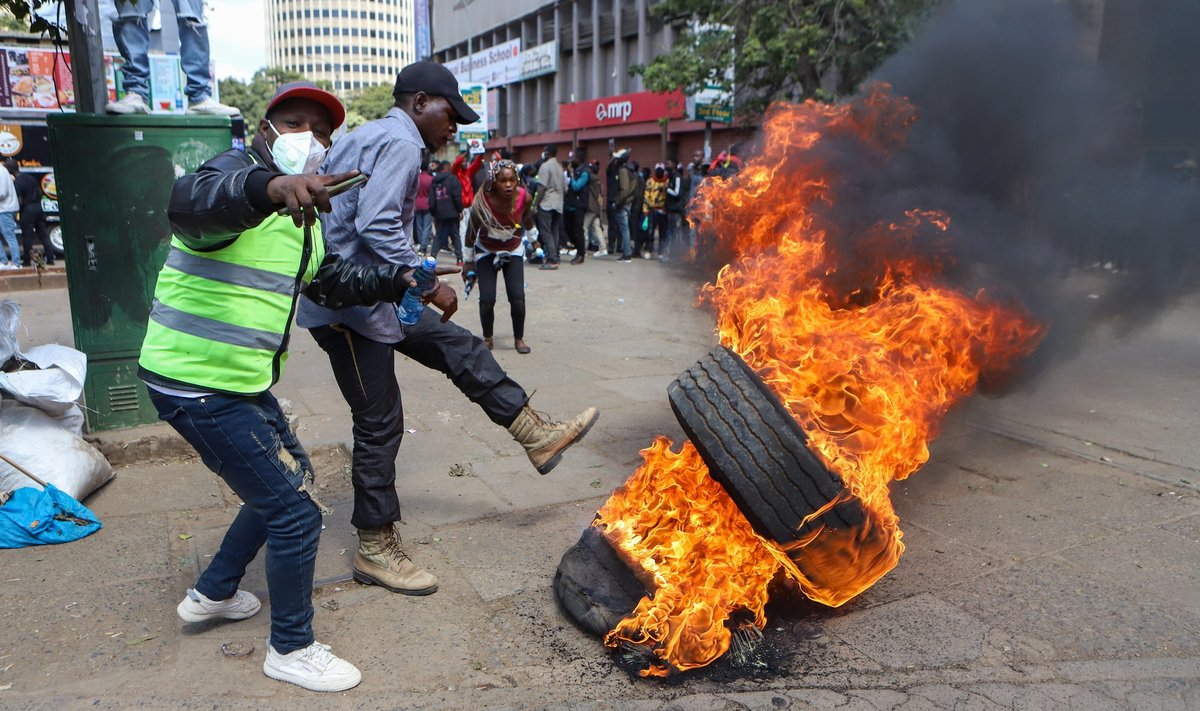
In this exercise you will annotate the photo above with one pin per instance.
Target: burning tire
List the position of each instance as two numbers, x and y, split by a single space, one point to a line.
756 450
594 586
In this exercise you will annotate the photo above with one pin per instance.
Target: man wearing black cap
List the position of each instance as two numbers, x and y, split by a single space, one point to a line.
247 243
374 226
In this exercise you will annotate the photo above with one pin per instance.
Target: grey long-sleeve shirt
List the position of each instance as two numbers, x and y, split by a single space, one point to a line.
554 185
372 224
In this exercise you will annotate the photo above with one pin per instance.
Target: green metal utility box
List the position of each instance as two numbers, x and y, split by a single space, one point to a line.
114 176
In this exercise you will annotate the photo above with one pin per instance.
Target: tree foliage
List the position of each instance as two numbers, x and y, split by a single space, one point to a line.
770 50
18 15
253 96
372 102
10 23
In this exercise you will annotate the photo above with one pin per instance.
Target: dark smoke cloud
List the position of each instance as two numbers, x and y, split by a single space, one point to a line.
1032 149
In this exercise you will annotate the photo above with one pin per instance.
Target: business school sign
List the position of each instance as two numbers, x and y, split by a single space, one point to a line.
621 109
540 60
494 66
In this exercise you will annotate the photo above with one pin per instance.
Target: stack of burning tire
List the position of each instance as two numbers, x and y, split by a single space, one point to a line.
755 449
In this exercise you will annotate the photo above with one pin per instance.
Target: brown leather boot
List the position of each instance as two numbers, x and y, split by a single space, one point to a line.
382 560
544 441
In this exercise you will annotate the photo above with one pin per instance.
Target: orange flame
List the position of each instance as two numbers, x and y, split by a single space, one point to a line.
864 346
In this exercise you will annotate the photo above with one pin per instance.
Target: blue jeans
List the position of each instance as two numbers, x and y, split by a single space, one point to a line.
246 441
8 230
423 229
132 33
623 225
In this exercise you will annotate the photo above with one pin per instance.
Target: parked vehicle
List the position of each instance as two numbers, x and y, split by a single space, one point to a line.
26 139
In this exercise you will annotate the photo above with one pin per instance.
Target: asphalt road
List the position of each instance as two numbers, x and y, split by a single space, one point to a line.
1052 558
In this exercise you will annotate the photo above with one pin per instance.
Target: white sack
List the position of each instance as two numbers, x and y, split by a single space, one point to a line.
37 442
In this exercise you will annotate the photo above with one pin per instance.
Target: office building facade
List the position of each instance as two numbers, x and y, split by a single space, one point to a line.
571 83
352 44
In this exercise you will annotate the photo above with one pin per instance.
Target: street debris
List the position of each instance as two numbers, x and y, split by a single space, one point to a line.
135 641
237 649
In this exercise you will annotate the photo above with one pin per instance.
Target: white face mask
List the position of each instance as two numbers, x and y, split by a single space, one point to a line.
297 153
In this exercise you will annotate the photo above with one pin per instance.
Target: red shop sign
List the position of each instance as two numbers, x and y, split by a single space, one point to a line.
621 109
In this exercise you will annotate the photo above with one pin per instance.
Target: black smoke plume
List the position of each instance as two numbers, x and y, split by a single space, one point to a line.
1068 174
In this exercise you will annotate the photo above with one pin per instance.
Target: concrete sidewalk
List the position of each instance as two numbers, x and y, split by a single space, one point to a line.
1052 554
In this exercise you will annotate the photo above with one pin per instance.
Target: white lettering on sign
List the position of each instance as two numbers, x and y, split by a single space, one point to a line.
614 110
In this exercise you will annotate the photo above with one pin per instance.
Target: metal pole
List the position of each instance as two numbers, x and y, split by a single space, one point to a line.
87 56
707 141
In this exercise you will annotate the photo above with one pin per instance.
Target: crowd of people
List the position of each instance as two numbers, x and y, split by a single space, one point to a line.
621 210
495 216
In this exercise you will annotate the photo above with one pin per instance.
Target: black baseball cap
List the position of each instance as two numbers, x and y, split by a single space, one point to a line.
435 80
312 92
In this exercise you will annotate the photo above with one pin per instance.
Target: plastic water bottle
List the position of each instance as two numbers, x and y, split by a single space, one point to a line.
408 311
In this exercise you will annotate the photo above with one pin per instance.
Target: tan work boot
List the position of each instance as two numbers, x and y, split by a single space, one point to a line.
543 440
382 560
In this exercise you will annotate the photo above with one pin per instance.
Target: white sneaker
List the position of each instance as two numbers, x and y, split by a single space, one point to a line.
602 253
315 668
131 104
198 608
210 107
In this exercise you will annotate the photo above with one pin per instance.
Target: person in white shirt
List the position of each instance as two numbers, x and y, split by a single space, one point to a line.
8 219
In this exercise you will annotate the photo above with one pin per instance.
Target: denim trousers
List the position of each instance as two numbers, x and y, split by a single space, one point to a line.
623 225
447 238
246 442
131 30
365 371
423 229
8 230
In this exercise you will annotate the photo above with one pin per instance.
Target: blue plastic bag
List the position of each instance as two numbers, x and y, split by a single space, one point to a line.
34 517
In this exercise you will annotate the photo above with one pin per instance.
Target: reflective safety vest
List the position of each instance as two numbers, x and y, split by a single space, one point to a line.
220 319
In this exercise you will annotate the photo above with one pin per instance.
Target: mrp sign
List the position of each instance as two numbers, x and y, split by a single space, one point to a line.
621 109
614 110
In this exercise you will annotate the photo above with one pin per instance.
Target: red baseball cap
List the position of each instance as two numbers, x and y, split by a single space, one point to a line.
312 92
